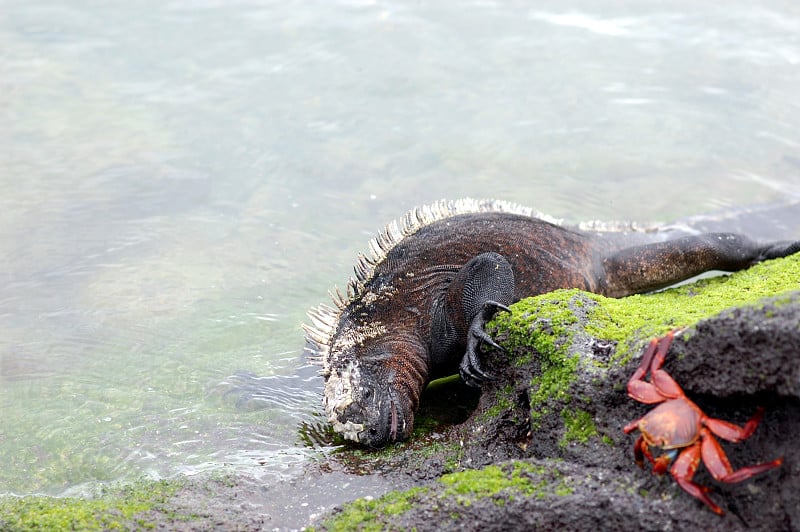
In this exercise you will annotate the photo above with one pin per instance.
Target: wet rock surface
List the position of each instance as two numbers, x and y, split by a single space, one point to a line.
541 446
563 455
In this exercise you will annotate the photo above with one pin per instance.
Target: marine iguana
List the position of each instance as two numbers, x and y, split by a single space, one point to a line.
417 306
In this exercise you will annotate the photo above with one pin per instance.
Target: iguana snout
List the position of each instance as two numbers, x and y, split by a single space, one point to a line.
364 405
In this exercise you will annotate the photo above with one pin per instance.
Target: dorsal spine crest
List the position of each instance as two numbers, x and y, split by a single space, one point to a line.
324 318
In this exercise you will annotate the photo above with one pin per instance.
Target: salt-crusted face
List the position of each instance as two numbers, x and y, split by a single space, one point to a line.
365 405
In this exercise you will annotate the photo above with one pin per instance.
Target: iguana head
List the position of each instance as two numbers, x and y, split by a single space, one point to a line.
364 404
374 374
374 363
373 380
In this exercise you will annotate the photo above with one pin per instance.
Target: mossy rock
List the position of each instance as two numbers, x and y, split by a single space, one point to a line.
570 353
559 403
184 503
123 508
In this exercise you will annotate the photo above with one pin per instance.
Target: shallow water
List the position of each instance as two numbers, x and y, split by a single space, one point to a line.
180 181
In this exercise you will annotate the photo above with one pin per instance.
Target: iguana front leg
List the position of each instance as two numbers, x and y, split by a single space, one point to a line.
477 291
470 366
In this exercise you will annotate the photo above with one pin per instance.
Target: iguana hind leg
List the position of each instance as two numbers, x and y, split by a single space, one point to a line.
779 250
652 266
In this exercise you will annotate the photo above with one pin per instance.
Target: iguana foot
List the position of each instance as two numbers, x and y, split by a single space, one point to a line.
470 367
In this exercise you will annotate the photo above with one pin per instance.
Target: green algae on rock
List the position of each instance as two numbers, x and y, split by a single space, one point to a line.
650 315
579 426
548 324
124 508
456 491
558 406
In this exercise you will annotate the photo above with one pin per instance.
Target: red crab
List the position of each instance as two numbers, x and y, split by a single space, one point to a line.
679 428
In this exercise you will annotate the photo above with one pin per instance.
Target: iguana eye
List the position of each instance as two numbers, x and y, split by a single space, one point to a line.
367 393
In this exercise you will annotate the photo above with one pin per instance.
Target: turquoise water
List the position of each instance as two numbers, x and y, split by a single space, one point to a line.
180 181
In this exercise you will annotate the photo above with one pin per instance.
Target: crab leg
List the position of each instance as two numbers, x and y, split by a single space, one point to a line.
683 471
720 468
662 380
731 432
644 364
747 472
640 451
630 427
661 386
649 392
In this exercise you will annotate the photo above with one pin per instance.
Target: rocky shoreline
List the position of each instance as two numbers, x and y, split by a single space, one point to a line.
545 447
542 445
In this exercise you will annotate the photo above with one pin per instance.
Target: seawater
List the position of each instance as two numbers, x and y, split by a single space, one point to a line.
181 180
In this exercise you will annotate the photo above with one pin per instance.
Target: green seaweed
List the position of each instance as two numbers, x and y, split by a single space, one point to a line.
368 514
502 483
650 315
490 481
620 319
547 325
579 427
118 508
504 401
544 323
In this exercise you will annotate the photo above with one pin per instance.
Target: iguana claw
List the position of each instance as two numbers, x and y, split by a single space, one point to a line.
471 367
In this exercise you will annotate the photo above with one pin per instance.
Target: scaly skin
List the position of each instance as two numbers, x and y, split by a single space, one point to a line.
417 308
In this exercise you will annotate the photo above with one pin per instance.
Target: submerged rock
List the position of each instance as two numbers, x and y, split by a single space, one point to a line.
545 447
